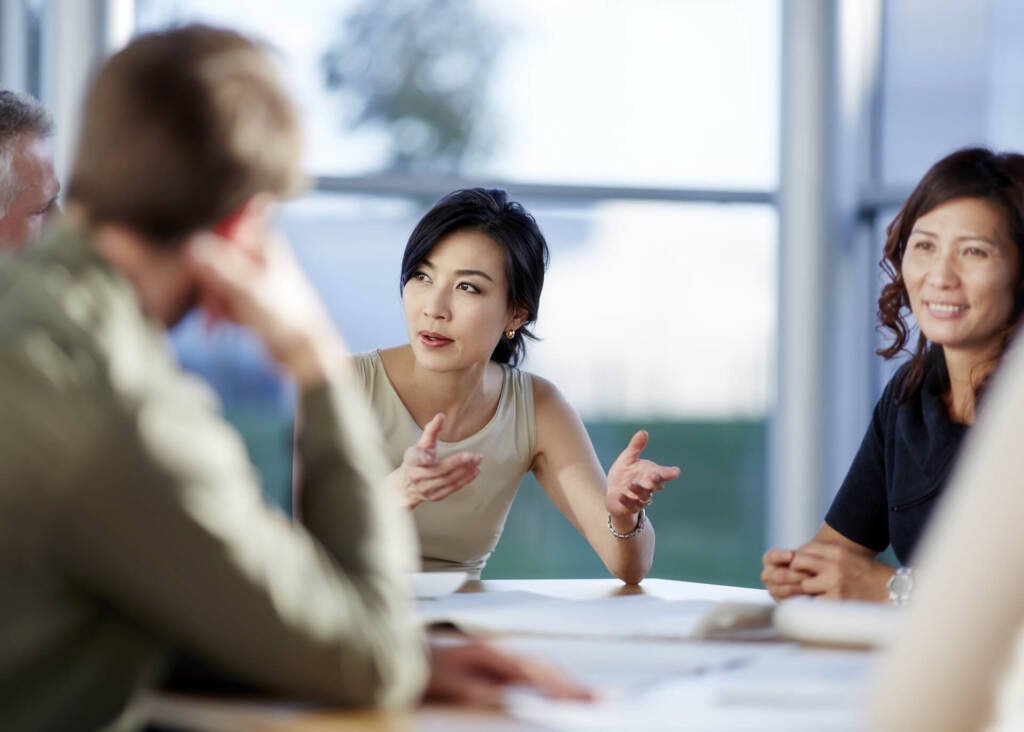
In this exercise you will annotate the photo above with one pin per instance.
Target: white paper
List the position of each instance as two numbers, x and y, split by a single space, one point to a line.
773 689
630 616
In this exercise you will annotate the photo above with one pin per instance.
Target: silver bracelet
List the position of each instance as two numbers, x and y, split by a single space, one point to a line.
629 535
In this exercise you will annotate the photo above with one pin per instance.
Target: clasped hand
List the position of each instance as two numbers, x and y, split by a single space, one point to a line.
632 482
825 570
422 477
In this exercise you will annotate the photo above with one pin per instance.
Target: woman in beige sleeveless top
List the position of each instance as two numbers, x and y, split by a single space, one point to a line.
463 425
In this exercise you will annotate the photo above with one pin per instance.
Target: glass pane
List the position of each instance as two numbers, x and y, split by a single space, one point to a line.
951 78
656 93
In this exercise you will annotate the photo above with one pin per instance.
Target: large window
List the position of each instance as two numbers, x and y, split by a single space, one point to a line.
642 137
952 77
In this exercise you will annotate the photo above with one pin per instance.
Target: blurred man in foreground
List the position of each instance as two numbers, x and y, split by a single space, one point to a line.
28 186
131 521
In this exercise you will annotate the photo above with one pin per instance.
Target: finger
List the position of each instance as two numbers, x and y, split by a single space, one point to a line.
644 494
631 504
417 459
230 280
819 584
780 576
635 447
642 480
458 460
666 474
821 549
810 563
782 592
637 489
646 487
463 686
652 471
221 269
513 669
459 476
444 469
439 488
551 682
651 476
778 557
786 576
473 691
428 440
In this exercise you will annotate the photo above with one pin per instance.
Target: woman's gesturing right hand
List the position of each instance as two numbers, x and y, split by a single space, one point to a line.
421 477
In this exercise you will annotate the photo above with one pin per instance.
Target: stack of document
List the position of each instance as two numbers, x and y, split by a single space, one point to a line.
631 616
643 656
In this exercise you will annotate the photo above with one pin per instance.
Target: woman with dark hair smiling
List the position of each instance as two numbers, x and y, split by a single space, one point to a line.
464 425
953 257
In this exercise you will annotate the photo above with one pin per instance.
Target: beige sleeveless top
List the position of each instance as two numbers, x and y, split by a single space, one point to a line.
460 531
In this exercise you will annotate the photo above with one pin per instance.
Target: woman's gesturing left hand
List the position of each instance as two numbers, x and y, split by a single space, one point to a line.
632 482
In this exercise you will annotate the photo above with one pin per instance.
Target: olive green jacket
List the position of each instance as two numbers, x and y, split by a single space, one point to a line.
131 520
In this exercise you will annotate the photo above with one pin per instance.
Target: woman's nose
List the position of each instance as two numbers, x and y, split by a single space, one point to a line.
436 304
944 272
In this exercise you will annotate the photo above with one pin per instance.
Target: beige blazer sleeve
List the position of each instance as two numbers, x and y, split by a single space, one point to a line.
968 603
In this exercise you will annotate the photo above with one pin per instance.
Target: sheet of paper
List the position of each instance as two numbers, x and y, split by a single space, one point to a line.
621 668
636 616
770 689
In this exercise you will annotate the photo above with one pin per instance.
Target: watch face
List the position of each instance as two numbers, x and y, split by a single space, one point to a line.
900 584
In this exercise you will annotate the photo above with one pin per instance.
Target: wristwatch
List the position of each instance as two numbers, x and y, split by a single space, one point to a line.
900 585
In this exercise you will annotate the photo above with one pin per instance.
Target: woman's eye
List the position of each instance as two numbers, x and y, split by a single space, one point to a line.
468 287
976 252
922 245
420 276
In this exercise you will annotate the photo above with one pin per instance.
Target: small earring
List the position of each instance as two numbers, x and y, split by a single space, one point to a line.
510 334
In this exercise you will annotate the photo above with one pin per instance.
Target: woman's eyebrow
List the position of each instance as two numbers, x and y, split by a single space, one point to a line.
465 272
965 237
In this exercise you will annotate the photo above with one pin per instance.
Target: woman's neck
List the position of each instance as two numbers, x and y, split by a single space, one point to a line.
966 370
468 397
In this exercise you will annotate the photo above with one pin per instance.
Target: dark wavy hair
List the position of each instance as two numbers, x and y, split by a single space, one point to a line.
511 227
976 172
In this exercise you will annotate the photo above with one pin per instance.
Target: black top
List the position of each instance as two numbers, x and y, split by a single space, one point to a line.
901 467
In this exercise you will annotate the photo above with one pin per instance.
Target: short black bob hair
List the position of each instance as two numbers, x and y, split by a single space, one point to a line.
512 228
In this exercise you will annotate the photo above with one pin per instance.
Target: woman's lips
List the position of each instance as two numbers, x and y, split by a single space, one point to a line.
434 340
945 310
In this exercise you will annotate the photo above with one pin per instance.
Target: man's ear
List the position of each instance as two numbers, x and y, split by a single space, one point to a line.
247 225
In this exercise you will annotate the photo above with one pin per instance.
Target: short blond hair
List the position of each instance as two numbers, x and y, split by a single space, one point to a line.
180 128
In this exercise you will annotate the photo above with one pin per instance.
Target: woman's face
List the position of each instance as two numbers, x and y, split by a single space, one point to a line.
961 271
456 302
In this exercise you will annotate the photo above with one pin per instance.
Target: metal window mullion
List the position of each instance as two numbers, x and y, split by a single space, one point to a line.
395 184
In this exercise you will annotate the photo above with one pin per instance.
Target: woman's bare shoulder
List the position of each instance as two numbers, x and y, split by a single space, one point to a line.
547 399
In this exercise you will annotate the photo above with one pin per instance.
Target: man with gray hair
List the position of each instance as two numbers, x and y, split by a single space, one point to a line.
28 186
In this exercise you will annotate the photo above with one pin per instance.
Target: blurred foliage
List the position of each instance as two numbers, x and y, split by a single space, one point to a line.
419 71
710 522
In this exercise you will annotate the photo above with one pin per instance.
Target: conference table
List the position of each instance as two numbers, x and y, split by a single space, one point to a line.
747 679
